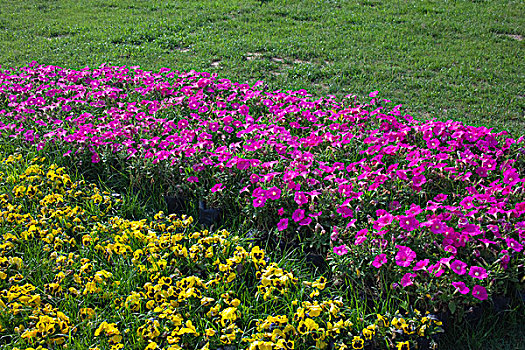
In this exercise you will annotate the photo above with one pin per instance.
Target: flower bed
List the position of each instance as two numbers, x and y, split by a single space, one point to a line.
72 272
428 210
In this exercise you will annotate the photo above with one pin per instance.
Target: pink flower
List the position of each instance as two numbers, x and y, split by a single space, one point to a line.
461 287
510 177
298 215
243 164
345 211
514 245
408 223
259 202
280 211
479 292
459 267
440 197
419 180
274 193
217 187
482 172
404 256
379 261
254 178
300 198
341 250
406 280
95 158
478 272
435 269
359 240
306 221
193 179
282 224
421 264
438 227
414 210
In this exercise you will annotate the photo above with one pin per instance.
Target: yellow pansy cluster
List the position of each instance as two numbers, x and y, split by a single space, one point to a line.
72 269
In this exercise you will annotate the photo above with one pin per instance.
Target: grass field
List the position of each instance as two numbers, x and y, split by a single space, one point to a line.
460 60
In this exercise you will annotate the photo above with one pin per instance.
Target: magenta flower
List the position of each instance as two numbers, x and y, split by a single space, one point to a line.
438 227
461 287
305 221
341 250
274 193
440 197
254 178
406 280
408 223
419 180
435 269
193 179
459 267
478 272
511 177
280 211
298 215
404 256
414 210
300 198
421 264
282 224
379 261
243 164
479 293
514 245
345 211
217 187
359 240
259 202
482 172
95 158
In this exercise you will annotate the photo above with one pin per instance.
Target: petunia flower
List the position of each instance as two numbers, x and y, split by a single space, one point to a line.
298 215
406 280
408 223
379 261
274 193
217 187
461 287
479 292
282 224
404 256
478 272
341 250
458 267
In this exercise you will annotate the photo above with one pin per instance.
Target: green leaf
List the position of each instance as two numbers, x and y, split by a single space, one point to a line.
452 306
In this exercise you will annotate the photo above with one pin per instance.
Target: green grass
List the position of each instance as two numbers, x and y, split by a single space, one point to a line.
461 60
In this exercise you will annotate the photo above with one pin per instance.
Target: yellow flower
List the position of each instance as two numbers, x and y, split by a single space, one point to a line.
229 314
358 343
189 329
383 322
151 346
86 313
403 345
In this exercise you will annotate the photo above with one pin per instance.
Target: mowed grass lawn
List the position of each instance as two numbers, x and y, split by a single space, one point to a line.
461 60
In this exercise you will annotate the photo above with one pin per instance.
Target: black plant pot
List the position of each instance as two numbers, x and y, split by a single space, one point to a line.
209 216
176 205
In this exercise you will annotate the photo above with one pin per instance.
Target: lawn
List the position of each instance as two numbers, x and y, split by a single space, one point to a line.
338 218
461 60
